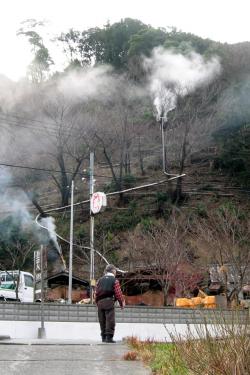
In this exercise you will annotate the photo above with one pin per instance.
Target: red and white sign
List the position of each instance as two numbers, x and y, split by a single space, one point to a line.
98 202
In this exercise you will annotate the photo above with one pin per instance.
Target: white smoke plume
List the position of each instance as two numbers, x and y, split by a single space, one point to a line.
88 84
49 224
13 201
172 74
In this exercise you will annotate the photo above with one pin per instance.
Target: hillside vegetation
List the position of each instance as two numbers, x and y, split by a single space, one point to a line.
126 89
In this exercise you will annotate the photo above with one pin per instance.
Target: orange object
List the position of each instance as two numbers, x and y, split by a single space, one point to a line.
183 302
197 301
209 302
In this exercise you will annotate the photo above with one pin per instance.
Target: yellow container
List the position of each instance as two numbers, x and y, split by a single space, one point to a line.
183 302
196 301
209 302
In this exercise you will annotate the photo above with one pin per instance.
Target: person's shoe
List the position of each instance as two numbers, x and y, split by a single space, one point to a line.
109 339
103 338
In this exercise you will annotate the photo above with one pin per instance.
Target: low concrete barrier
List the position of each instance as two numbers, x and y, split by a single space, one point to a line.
79 322
131 314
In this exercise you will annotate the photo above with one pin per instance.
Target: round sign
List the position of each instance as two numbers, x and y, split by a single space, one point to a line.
98 202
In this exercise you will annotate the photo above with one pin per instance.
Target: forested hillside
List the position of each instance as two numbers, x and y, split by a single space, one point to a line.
152 104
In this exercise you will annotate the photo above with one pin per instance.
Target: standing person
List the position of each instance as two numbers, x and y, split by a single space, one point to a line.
108 291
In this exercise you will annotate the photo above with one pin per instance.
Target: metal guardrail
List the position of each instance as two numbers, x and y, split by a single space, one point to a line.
14 311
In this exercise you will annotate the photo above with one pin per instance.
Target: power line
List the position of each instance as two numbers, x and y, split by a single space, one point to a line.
32 122
52 129
41 130
119 192
82 174
110 194
52 126
16 123
35 168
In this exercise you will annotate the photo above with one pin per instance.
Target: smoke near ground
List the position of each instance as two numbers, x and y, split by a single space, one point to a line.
13 201
15 214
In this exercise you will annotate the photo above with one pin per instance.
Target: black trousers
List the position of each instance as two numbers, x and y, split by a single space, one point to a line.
106 316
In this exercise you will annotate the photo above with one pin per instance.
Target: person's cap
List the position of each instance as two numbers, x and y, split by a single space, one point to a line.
110 268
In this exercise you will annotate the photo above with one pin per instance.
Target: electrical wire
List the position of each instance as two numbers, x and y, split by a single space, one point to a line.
53 131
28 122
82 174
33 125
79 246
117 192
113 193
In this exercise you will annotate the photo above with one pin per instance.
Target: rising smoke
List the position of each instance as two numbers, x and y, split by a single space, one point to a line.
13 201
49 224
172 75
169 75
91 83
15 205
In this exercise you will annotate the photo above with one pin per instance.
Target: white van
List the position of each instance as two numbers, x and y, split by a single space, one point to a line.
8 283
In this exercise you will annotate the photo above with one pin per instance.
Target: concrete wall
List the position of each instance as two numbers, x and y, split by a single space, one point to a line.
131 314
22 320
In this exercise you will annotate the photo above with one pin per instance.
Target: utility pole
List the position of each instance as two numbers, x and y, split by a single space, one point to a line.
92 222
41 330
163 144
71 243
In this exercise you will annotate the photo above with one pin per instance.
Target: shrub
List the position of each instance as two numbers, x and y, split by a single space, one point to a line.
222 348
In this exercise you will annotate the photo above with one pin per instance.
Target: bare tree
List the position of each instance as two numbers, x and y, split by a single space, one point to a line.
161 251
222 238
120 130
190 127
71 135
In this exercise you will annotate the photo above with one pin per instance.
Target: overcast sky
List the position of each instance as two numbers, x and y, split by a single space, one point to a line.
220 20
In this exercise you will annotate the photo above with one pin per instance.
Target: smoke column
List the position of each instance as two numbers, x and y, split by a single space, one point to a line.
172 74
49 224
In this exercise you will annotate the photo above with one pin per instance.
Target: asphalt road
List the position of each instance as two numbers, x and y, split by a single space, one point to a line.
54 358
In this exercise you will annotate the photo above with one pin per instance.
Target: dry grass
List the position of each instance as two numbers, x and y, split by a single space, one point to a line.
130 356
161 357
222 348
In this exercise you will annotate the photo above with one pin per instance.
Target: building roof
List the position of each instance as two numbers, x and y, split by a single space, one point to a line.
62 278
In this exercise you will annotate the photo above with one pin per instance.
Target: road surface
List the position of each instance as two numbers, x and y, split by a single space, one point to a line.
47 357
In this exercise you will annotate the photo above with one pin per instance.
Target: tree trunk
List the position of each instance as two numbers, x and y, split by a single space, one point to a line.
178 190
165 290
64 183
140 157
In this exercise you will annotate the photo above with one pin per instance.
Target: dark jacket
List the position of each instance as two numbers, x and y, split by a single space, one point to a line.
105 288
